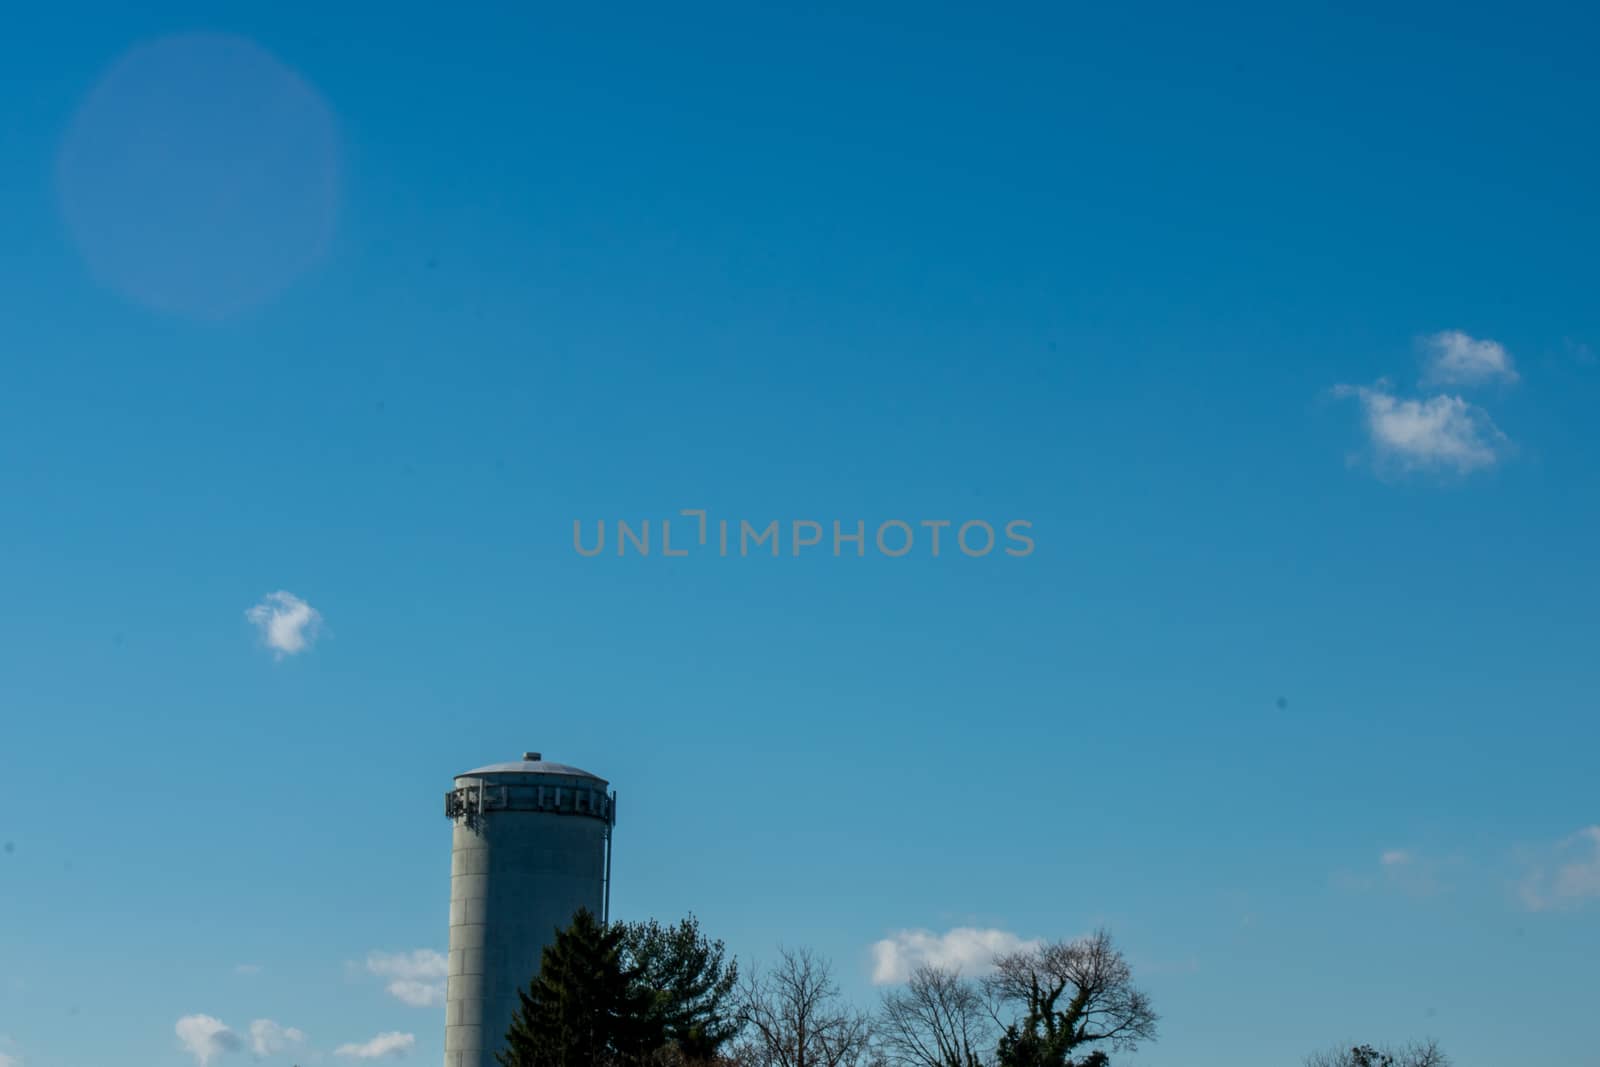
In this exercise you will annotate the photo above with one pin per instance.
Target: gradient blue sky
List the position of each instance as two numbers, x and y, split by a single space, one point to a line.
1296 693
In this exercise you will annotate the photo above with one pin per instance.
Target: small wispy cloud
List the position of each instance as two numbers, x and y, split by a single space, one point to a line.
247 968
1402 870
1438 434
288 624
1452 357
9 1056
392 1043
970 949
268 1038
416 978
1566 875
206 1037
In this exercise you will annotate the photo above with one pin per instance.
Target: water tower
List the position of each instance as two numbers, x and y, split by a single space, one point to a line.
530 845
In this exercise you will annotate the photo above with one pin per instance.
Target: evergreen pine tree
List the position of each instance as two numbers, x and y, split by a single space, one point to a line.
691 982
585 1008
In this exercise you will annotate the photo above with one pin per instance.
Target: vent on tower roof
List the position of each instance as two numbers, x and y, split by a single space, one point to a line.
532 757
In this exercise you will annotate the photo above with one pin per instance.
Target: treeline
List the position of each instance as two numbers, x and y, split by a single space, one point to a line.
647 995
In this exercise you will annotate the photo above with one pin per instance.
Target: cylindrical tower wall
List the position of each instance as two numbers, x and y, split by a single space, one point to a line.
528 849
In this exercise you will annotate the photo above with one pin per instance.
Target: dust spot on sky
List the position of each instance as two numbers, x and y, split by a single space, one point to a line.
199 177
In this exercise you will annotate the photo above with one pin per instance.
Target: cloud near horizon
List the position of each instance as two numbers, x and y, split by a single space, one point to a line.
288 625
970 949
392 1043
416 978
268 1038
206 1037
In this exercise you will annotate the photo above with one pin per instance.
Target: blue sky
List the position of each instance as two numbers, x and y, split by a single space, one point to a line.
1279 328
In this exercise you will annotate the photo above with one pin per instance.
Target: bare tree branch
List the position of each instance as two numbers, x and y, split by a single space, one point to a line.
1416 1054
1069 994
937 1020
794 1017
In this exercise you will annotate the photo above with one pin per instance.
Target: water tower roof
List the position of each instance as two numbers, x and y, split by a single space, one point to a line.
534 764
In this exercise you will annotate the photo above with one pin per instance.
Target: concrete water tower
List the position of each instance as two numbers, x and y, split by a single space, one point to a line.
530 845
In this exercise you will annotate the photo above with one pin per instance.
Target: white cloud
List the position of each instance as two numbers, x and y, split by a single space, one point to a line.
417 994
1403 870
1454 358
247 968
392 1043
205 1037
1567 876
1439 433
288 624
268 1038
8 1060
416 978
968 948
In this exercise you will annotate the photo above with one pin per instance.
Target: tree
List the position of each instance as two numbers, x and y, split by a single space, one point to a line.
692 987
794 1017
937 1020
1075 998
585 1008
1416 1054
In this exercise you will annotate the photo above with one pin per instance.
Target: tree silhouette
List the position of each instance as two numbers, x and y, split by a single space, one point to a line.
585 1008
1418 1054
689 981
1076 999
